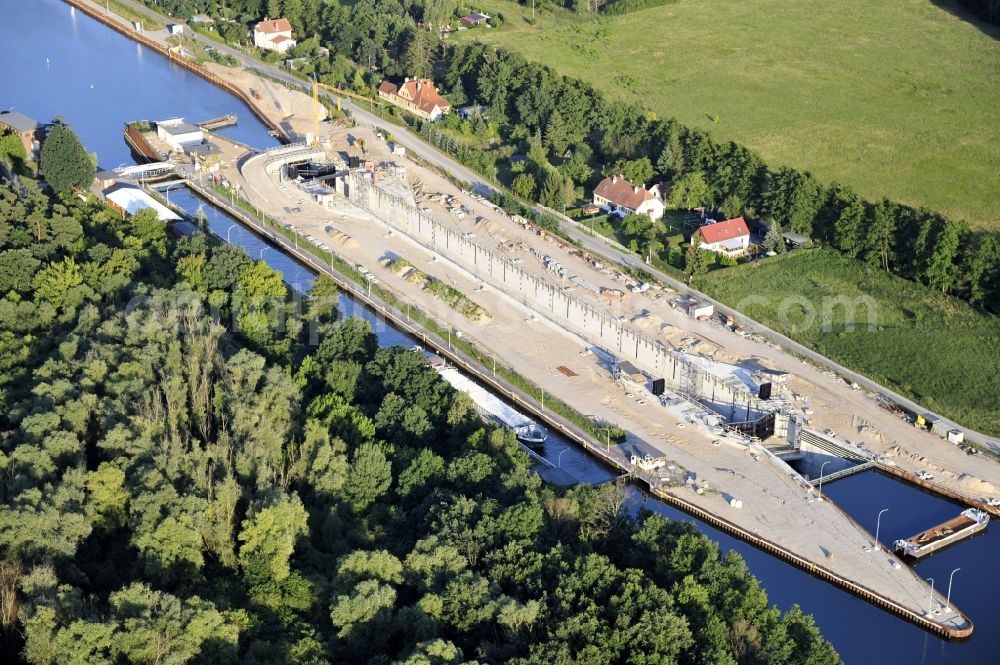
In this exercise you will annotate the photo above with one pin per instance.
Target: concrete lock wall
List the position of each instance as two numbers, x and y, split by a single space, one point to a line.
725 397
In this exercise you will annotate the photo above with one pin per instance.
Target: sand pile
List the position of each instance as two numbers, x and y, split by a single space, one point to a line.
344 240
489 226
976 484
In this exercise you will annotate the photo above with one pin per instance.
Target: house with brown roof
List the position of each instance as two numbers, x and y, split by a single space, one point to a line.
273 35
620 197
418 96
731 237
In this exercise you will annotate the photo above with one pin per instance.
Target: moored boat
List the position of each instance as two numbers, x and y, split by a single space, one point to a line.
531 434
970 522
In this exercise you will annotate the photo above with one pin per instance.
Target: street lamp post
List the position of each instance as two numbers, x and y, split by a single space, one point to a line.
262 250
948 602
233 226
559 459
494 366
930 599
878 523
821 466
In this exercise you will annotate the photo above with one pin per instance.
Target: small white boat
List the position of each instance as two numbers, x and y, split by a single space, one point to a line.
531 434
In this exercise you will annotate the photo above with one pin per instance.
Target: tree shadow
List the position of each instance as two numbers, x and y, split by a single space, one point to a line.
967 13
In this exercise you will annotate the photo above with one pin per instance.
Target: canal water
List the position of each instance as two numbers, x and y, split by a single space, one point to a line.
60 62
131 82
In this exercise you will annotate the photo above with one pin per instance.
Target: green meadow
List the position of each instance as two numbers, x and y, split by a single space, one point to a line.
935 349
895 98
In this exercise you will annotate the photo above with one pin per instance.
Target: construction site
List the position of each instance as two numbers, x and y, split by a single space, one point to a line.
742 431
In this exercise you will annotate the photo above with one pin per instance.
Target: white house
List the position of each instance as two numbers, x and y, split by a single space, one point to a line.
273 35
731 237
179 133
617 195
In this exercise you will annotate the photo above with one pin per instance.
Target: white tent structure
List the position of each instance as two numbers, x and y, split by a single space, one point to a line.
131 200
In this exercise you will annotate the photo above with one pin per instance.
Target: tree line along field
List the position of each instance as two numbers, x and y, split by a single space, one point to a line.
895 99
933 348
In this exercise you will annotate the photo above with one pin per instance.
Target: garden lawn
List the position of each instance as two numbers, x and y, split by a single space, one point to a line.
935 349
895 98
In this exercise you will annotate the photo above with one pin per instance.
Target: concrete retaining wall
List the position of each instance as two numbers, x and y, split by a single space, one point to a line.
735 402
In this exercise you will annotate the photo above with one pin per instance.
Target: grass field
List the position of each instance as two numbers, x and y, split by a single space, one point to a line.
932 348
892 97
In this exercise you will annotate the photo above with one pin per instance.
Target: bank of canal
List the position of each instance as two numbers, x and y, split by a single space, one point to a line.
131 82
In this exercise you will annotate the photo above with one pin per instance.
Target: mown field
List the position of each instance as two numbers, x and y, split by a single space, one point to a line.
935 349
892 97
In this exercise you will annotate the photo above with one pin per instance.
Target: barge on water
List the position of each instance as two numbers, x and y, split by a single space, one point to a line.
527 431
970 522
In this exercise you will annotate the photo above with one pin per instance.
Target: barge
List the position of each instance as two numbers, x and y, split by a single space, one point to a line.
970 522
527 431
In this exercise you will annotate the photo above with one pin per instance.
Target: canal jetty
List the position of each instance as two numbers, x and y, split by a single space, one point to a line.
137 138
967 524
222 121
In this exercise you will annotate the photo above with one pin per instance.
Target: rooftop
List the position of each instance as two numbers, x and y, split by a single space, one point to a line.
177 126
272 26
621 192
18 121
723 231
131 199
421 92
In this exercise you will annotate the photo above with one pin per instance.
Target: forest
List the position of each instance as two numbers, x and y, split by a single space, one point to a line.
572 136
199 468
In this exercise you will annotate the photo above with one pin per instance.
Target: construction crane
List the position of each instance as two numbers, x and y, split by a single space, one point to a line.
339 94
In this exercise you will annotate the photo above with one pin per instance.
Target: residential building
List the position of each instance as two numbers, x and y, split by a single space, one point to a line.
273 35
475 18
27 129
178 133
731 237
418 96
620 197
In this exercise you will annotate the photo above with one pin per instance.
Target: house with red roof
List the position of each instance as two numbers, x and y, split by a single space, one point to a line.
418 96
731 237
273 35
620 197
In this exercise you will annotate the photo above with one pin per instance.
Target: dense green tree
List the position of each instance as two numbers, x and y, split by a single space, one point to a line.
370 476
688 191
65 163
268 536
637 171
696 260
524 185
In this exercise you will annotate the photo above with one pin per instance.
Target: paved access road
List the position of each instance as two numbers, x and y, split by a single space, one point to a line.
596 245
